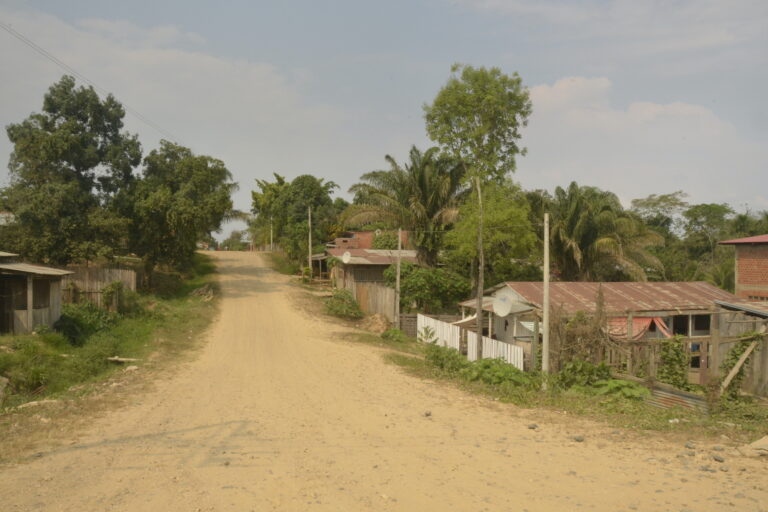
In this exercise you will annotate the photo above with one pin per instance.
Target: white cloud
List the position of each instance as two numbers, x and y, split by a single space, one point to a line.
252 115
575 134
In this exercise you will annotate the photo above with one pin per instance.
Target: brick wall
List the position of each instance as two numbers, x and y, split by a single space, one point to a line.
752 271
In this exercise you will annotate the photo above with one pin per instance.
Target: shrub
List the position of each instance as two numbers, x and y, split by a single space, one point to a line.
343 305
78 321
394 334
447 360
581 373
620 389
495 372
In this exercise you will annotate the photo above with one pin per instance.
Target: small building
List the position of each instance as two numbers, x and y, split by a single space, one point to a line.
363 239
635 312
363 274
30 295
751 267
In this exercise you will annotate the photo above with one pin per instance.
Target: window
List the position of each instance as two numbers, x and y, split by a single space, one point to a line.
680 325
41 293
701 325
19 290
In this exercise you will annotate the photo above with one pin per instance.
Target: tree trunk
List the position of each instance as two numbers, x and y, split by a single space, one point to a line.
480 269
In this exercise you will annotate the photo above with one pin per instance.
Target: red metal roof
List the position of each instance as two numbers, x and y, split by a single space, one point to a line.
624 296
759 239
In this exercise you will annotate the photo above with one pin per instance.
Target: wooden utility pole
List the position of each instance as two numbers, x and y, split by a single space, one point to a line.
397 279
545 320
309 248
480 270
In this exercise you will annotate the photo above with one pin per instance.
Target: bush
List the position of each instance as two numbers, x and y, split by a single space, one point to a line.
394 334
78 321
581 373
496 372
615 388
447 360
343 305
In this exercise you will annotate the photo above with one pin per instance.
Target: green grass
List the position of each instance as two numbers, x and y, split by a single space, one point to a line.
49 364
282 264
741 421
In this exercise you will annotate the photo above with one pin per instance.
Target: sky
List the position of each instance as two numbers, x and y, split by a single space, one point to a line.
637 97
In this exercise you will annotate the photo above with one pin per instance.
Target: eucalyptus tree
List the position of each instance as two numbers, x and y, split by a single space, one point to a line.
421 196
477 117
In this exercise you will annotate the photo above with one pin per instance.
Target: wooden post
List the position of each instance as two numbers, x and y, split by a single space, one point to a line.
535 344
490 324
737 366
713 366
480 270
545 330
30 305
397 279
309 250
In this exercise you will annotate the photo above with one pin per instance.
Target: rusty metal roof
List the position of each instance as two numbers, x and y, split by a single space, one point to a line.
623 296
373 256
753 308
25 268
759 239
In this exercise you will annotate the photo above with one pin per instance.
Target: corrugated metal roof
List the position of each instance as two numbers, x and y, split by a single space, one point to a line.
754 308
26 268
373 256
623 296
759 239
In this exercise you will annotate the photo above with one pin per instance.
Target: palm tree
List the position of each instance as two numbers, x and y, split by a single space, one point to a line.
421 196
594 238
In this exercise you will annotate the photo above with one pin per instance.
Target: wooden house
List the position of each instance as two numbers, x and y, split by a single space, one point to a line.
638 316
30 295
362 273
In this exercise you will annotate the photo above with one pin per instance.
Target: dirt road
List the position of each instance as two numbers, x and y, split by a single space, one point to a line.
277 413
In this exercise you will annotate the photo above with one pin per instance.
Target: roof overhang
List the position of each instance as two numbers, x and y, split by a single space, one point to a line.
37 270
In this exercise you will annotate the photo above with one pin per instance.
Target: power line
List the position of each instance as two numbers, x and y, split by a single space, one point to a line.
72 71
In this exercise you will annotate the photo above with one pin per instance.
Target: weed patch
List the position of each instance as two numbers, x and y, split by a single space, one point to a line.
343 305
49 363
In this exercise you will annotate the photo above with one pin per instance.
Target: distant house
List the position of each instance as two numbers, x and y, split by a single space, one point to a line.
30 295
751 267
635 311
362 273
361 240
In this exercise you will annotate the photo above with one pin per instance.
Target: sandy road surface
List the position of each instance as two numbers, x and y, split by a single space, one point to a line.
277 414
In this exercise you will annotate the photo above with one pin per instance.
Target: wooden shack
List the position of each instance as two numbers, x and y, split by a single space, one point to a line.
30 295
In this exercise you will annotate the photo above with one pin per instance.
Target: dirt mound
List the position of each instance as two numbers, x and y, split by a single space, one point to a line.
375 323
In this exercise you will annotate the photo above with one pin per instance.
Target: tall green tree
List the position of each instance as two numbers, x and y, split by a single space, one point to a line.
181 198
421 196
72 177
477 117
508 237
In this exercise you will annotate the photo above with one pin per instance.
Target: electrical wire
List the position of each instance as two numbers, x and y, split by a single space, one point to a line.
69 69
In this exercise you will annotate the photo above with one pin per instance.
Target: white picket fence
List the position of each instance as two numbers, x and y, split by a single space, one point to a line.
449 335
446 335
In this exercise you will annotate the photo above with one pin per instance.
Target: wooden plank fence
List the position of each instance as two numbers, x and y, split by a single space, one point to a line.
449 335
87 282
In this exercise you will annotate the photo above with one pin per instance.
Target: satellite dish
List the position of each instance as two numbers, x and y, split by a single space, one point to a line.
346 257
503 302
378 232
